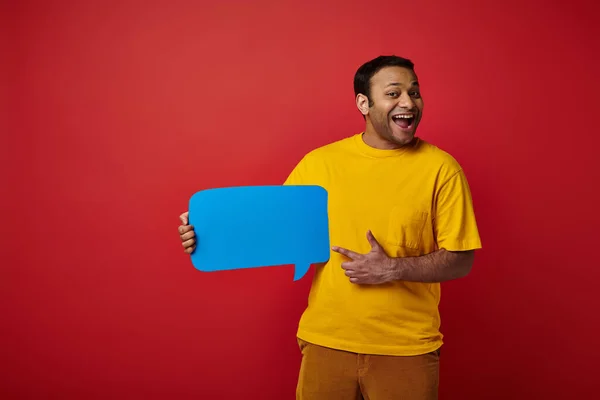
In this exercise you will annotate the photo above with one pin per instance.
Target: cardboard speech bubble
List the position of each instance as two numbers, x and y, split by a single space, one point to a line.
260 226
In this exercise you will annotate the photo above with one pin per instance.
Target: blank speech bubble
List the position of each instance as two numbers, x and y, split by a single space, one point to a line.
260 226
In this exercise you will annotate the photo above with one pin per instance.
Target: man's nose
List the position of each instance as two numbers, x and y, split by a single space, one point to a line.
406 101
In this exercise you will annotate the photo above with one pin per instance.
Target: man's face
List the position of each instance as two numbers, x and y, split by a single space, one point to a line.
396 105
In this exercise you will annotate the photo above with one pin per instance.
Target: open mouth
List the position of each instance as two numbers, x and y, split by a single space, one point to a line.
404 121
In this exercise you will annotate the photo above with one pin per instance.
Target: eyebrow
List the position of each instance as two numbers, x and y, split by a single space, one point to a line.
412 84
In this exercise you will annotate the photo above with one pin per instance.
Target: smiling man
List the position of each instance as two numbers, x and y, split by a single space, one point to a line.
401 222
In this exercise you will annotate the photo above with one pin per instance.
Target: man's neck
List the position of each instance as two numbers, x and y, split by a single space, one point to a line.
373 139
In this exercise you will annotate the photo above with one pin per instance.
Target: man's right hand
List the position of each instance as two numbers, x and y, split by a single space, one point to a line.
186 233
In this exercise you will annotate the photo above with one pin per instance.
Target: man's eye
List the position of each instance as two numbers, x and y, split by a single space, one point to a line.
392 94
415 94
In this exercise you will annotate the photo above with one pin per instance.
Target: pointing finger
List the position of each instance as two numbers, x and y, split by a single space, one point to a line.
346 252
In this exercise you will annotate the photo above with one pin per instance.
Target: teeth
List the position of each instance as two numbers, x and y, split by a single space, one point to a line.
406 116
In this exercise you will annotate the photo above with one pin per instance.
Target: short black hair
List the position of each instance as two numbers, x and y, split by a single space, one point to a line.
362 78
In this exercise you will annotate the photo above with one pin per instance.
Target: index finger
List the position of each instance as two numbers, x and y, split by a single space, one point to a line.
348 253
185 228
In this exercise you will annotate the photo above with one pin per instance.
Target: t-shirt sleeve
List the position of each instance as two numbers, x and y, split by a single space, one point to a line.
454 223
297 176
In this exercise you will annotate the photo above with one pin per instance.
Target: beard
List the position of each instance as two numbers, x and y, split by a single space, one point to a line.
392 133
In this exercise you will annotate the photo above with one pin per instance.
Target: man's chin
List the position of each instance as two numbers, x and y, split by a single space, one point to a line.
403 137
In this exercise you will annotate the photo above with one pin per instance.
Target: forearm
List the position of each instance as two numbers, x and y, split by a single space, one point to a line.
439 266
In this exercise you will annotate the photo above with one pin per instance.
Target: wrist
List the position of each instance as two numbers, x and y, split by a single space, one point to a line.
396 268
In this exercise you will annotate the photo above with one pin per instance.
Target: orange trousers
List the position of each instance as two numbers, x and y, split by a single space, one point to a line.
327 374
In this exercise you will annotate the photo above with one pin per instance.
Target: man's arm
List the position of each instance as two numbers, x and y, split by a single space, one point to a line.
439 266
377 267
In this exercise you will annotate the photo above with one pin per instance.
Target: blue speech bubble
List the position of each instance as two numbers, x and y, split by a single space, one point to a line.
260 226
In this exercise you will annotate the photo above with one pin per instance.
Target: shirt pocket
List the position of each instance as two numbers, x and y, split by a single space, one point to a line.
405 227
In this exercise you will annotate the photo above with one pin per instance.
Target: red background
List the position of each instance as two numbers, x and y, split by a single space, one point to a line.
117 112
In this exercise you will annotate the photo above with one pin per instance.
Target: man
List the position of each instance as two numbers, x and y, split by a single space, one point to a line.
401 222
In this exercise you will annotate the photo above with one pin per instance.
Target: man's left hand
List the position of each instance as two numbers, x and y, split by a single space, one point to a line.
373 268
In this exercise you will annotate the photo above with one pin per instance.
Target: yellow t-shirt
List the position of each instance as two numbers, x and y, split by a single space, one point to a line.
415 200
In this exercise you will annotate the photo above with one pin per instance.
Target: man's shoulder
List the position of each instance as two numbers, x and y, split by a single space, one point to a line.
330 150
336 146
312 164
437 158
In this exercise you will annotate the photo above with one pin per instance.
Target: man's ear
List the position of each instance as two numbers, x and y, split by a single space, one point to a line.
362 103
